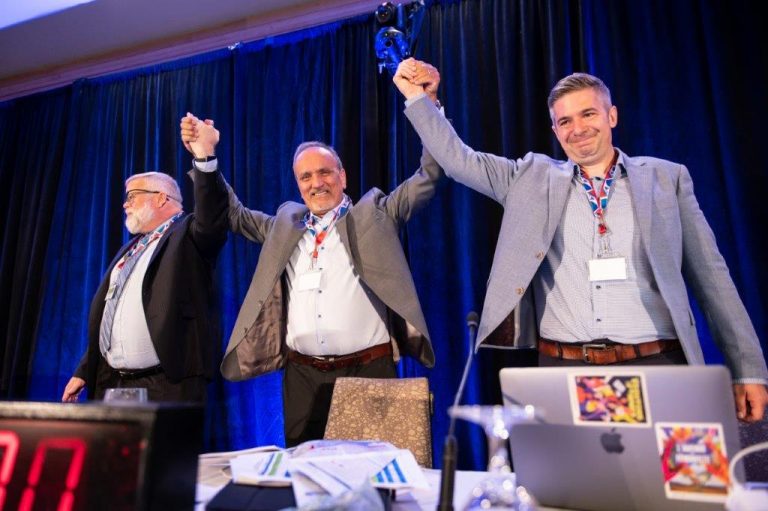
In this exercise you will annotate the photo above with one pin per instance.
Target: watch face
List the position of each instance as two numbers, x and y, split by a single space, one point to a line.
69 464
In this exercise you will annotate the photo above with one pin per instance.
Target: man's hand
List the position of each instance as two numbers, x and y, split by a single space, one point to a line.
199 137
751 401
429 78
72 391
414 77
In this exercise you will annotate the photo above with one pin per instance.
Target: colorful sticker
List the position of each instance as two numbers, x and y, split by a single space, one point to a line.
693 461
615 399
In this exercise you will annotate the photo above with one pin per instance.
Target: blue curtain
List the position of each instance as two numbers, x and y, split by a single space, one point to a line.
688 79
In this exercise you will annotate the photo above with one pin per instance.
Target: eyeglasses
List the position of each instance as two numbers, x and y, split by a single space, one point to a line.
136 191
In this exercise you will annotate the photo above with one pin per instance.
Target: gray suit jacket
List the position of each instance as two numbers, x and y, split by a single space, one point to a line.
369 232
533 191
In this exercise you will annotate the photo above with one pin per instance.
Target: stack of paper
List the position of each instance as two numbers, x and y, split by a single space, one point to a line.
331 467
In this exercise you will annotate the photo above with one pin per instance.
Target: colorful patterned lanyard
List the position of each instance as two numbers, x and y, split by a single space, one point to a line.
145 240
598 199
311 220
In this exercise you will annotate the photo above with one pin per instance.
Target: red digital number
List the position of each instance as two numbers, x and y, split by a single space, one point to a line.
78 448
10 441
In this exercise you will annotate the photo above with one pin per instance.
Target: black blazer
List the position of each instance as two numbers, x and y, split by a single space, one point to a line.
178 291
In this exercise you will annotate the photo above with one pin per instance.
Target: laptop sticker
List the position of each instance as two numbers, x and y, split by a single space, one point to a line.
601 399
693 461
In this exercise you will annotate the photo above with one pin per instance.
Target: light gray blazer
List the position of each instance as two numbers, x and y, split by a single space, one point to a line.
369 232
533 191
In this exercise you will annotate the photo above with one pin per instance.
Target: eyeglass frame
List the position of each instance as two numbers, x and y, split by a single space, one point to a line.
130 195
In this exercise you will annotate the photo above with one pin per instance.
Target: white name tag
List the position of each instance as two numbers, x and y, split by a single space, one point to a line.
309 280
610 268
110 292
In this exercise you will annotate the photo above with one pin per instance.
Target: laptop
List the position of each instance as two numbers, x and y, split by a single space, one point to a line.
629 437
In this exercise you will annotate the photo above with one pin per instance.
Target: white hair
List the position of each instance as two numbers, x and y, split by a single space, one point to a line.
162 181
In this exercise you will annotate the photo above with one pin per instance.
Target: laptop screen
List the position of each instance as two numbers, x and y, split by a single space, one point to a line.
642 437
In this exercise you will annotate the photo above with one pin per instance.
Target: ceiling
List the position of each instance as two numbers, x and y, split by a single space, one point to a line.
107 36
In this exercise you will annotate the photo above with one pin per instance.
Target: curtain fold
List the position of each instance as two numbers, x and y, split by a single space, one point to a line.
688 79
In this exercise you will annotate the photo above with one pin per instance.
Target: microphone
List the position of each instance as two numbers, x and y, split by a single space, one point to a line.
448 473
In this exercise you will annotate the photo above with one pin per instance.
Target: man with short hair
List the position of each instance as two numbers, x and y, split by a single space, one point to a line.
153 320
332 294
594 253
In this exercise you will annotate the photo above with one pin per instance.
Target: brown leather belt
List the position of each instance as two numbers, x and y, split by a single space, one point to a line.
604 351
331 363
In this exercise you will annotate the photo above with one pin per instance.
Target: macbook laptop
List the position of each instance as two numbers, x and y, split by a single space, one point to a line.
629 437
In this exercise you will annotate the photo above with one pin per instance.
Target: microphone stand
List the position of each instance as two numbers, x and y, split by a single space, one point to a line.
448 473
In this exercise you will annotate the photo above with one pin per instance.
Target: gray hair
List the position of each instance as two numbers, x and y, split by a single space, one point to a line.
316 143
576 82
162 181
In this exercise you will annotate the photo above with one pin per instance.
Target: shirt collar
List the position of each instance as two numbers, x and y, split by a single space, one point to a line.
332 213
620 161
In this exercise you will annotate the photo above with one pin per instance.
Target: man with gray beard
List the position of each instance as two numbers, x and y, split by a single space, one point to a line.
153 322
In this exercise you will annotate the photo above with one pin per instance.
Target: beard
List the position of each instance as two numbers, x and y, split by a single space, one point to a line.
137 219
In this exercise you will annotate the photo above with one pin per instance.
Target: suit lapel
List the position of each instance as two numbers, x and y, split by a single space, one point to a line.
293 236
177 224
641 182
559 184
343 228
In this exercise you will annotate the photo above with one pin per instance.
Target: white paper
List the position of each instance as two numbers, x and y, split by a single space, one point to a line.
395 469
305 490
269 468
330 467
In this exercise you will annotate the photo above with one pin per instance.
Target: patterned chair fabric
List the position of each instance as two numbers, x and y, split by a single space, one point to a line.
394 410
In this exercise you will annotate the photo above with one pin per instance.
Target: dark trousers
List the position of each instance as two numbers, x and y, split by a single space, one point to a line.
159 388
676 357
307 395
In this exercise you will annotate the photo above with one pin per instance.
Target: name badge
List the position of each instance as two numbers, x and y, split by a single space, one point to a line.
110 292
609 268
309 280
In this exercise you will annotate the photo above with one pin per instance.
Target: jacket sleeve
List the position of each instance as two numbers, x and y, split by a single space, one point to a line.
414 192
209 226
81 370
486 173
706 273
251 223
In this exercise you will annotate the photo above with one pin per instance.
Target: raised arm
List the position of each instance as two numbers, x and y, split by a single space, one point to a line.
486 173
413 193
200 138
210 224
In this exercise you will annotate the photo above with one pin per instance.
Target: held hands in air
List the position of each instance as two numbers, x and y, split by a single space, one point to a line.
199 137
414 77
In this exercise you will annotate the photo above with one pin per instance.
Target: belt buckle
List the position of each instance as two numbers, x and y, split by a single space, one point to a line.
324 364
595 346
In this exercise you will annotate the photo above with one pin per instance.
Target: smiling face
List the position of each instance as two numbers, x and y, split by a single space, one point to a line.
582 122
321 180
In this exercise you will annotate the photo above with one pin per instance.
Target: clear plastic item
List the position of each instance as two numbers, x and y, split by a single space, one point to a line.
745 496
499 490
125 395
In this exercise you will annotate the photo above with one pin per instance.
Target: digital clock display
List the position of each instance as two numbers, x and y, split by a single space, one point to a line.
69 465
67 456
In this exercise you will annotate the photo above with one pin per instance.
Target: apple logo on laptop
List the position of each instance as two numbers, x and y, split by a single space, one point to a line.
611 442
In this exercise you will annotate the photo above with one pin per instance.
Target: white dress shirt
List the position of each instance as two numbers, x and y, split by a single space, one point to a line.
569 306
131 346
340 315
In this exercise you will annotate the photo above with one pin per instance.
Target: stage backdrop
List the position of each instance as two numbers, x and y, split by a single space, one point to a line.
688 78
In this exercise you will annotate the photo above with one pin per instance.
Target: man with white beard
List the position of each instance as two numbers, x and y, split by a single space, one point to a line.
153 321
